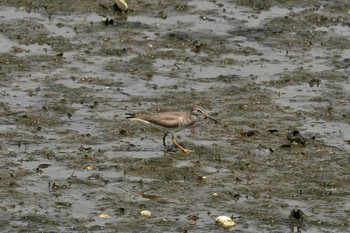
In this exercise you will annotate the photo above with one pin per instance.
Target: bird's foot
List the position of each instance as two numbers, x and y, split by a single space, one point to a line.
186 151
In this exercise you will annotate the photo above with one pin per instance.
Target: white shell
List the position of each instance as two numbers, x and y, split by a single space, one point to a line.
122 5
225 221
145 213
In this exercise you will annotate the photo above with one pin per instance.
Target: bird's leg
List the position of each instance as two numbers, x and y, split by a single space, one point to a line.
187 151
165 149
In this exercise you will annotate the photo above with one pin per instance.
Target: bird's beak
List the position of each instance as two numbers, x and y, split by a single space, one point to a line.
207 116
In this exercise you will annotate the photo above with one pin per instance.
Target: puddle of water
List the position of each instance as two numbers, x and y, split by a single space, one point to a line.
295 96
11 13
5 44
334 133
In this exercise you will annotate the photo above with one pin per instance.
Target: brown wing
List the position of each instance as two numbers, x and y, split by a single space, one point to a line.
166 119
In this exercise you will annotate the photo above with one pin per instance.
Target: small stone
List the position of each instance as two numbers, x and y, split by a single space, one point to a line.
89 168
225 221
297 214
104 216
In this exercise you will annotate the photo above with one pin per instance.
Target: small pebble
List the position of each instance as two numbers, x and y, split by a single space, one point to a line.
89 168
225 221
104 216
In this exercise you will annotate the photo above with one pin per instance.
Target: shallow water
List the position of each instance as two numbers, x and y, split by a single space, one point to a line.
263 68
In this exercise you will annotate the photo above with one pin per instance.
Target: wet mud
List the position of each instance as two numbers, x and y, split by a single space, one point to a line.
274 73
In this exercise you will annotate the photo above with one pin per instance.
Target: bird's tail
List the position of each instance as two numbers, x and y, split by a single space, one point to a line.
130 115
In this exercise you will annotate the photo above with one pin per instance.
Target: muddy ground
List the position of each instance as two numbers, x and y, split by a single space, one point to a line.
274 73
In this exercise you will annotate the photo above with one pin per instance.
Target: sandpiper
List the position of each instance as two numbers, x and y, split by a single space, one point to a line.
170 122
